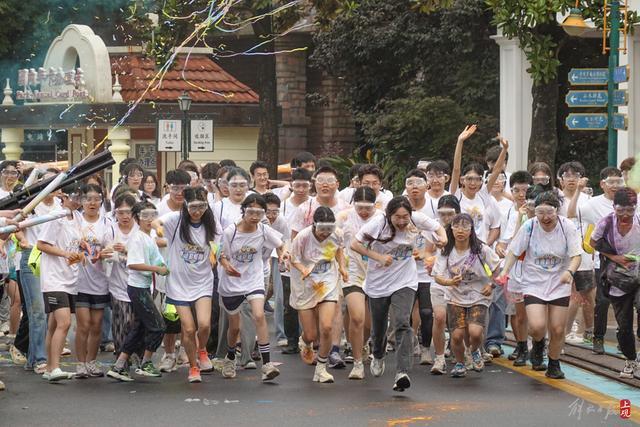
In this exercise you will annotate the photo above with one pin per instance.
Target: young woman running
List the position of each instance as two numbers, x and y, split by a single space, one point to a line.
93 285
190 234
392 280
317 256
350 222
243 279
465 266
551 247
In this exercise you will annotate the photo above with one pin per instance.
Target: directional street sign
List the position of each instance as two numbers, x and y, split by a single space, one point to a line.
594 121
597 76
594 98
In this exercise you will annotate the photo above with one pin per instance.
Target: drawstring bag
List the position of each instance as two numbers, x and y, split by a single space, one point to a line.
34 261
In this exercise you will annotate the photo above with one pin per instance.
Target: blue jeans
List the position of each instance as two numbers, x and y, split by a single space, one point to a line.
496 325
107 336
34 303
278 294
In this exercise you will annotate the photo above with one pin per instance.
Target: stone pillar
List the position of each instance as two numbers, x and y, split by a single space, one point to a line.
12 139
119 138
515 101
291 75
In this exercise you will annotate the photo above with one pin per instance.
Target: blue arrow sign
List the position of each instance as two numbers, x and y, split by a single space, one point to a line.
594 121
594 98
597 76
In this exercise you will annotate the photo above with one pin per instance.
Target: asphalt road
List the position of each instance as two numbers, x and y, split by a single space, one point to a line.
495 397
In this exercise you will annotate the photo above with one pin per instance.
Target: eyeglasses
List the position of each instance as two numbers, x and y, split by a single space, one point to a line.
372 184
176 189
324 227
330 180
415 182
472 178
569 175
74 197
271 212
446 211
301 185
93 199
8 172
148 214
519 190
135 175
222 182
625 210
238 184
543 180
197 206
462 226
123 211
259 212
365 206
438 176
545 210
614 181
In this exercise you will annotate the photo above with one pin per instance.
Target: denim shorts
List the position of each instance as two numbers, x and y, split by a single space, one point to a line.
93 302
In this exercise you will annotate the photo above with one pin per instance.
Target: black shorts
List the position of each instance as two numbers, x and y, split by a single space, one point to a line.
93 302
560 302
56 300
584 280
351 289
232 304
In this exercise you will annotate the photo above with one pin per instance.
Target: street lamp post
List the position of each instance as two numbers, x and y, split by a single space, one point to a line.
184 102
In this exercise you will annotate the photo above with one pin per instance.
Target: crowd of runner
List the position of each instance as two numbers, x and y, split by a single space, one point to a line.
350 273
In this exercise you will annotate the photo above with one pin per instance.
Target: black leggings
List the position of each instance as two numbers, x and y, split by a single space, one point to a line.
426 313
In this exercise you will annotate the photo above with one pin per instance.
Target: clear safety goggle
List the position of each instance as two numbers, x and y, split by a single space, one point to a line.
91 199
259 212
518 189
614 181
148 214
238 184
625 210
197 206
462 225
176 188
415 182
74 197
135 175
472 178
446 211
123 211
545 210
300 185
570 175
324 227
437 176
273 211
542 180
326 180
366 206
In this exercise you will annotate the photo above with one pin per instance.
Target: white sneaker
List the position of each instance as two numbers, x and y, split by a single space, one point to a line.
283 342
46 374
16 356
40 368
402 382
468 360
377 367
229 368
65 352
168 363
81 371
417 351
439 365
4 328
269 371
58 374
204 363
321 375
630 367
425 356
573 338
183 359
357 373
250 365
2 387
94 369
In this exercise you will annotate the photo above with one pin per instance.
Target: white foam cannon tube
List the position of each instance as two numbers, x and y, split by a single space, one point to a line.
40 197
36 220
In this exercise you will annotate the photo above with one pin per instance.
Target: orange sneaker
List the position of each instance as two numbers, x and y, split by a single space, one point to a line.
306 351
194 375
204 363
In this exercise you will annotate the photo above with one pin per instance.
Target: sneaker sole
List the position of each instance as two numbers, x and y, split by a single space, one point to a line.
356 377
336 366
402 384
458 375
148 374
270 376
56 379
119 377
437 372
175 368
426 362
195 380
317 380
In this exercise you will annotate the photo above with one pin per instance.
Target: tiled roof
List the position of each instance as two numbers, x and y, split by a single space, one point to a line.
203 79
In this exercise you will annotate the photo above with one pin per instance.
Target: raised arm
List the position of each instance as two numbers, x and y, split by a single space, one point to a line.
497 168
457 157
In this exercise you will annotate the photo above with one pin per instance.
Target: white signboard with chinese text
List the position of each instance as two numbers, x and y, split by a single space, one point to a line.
201 135
169 135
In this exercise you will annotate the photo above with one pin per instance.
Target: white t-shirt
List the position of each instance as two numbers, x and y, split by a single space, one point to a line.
548 255
402 273
245 253
191 276
55 274
587 259
483 209
226 212
91 277
32 233
321 257
303 216
350 223
119 273
163 209
593 211
430 206
142 249
474 277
